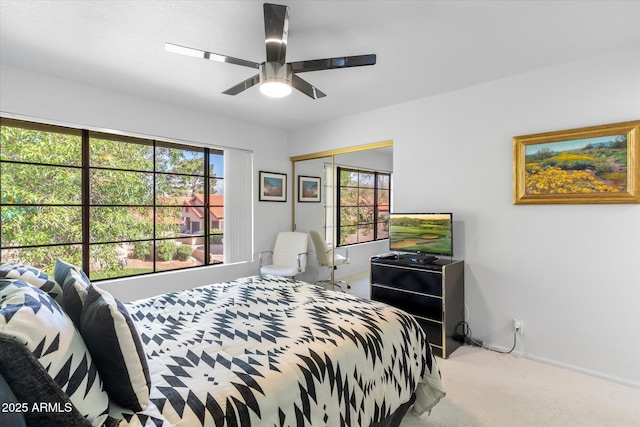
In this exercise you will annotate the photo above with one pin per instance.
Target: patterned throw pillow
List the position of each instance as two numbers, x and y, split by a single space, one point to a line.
34 318
75 286
113 340
110 336
33 276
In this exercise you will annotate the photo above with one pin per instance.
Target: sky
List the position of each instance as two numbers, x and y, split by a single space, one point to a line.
567 145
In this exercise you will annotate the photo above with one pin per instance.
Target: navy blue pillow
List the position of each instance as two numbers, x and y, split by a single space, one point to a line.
116 348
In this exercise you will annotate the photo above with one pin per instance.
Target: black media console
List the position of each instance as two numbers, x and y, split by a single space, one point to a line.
432 291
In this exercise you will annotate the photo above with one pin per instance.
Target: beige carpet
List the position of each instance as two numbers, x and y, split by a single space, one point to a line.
485 388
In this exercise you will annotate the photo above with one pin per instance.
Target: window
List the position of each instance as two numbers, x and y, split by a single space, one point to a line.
118 206
363 205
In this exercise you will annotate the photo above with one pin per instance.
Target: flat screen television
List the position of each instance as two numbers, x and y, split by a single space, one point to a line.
421 233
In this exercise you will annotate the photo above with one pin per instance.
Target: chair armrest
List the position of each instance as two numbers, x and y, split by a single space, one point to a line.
299 260
346 254
261 256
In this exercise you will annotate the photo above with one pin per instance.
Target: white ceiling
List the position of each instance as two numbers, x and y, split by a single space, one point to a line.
423 47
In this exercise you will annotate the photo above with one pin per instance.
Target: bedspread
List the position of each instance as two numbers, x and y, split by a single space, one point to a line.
270 351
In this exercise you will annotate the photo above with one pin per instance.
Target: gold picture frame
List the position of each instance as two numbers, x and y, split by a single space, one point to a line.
597 164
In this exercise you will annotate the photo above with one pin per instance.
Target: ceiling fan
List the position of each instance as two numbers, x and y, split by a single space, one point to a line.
276 77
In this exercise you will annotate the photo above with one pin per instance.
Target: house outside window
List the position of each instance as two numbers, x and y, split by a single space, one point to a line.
115 205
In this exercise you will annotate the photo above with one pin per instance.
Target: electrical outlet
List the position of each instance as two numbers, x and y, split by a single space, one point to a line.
518 326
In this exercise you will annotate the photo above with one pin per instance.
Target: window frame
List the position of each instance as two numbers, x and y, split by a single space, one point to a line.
376 205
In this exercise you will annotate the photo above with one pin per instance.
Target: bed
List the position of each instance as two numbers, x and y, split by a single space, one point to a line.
271 351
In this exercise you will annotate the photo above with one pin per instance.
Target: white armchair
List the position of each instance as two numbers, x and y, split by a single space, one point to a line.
288 257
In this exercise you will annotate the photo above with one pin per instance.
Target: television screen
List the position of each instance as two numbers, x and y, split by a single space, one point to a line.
428 233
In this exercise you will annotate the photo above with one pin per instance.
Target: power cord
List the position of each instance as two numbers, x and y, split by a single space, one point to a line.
515 339
466 337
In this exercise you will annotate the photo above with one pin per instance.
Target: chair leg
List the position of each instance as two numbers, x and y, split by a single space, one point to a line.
323 283
337 284
341 284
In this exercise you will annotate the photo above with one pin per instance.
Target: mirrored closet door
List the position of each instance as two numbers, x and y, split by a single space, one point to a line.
316 200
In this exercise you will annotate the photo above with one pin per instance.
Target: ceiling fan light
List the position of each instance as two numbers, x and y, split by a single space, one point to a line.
275 88
275 79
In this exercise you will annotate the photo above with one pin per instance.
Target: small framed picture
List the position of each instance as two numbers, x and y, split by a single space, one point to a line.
308 189
273 187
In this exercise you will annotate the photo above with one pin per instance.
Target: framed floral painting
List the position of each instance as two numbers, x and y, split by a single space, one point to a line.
597 164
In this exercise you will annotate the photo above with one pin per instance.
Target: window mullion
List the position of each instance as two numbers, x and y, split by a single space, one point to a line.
86 199
338 207
206 211
375 206
155 207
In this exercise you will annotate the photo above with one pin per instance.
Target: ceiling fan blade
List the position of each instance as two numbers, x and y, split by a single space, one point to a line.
197 53
306 88
329 63
276 29
251 81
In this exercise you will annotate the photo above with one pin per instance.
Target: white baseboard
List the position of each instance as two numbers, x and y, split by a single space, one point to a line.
546 361
590 372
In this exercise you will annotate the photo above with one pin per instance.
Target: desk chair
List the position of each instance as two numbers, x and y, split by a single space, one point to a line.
288 257
324 254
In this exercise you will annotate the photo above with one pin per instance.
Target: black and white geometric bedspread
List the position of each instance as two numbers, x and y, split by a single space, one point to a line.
268 351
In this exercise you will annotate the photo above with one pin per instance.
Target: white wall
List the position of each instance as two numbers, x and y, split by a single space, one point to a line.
570 272
47 99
